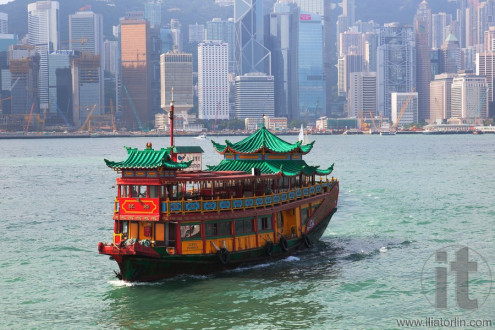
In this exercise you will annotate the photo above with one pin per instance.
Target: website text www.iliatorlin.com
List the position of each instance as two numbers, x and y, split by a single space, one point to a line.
431 322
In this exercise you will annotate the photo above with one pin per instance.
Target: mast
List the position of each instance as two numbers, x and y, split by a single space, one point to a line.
171 117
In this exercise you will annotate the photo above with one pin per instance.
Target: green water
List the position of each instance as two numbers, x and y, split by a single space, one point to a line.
402 198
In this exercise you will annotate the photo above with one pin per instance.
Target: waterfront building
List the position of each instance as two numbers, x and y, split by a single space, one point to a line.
135 73
86 36
250 53
361 100
213 81
111 56
153 13
4 23
216 29
469 100
422 30
196 32
44 34
440 25
60 82
410 114
176 71
440 97
485 66
311 80
254 95
396 64
24 73
283 44
275 123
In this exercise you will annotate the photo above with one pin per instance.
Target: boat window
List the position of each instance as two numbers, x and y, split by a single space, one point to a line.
304 216
280 220
124 191
125 229
264 223
244 226
138 191
218 229
190 231
154 191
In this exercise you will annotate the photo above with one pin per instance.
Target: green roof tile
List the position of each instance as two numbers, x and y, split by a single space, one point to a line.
259 140
147 159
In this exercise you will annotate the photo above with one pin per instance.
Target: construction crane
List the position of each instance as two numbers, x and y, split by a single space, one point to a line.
29 118
133 108
87 121
403 109
81 41
373 121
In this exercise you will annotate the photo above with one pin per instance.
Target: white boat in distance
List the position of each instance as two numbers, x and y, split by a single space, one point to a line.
201 137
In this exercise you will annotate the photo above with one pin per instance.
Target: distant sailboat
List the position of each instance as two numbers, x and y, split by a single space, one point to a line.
301 135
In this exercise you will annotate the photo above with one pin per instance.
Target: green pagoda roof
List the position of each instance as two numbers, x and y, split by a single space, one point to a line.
147 159
260 140
285 167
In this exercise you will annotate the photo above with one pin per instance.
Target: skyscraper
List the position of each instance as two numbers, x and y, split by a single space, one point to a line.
153 13
396 64
283 44
362 95
439 28
468 101
440 97
86 36
216 29
44 34
422 30
136 73
60 81
250 53
349 10
410 113
213 83
176 71
311 89
254 96
485 66
4 23
196 32
451 60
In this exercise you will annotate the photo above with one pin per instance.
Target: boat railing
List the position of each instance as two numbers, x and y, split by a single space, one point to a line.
242 203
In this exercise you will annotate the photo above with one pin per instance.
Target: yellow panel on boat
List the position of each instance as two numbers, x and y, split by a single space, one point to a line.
219 243
245 242
265 238
159 232
192 247
134 230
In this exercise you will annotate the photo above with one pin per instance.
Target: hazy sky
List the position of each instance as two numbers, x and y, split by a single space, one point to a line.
2 2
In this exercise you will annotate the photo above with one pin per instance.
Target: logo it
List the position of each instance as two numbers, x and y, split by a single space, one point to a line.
456 279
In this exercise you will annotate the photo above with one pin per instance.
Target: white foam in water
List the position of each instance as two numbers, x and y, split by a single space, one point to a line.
292 258
118 283
383 249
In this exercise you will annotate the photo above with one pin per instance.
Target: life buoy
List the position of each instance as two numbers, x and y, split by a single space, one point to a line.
223 256
284 245
269 248
307 241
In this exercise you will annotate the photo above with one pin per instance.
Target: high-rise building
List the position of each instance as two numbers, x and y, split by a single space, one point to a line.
489 40
370 44
439 28
486 18
342 26
311 80
111 56
60 82
86 36
213 82
485 66
153 13
254 96
351 42
468 97
87 91
362 95
136 73
176 71
44 34
216 29
196 32
349 10
440 97
24 84
422 29
348 64
176 32
472 23
283 44
396 64
409 113
250 53
451 61
4 23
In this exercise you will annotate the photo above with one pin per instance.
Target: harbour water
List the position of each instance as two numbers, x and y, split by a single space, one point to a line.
402 199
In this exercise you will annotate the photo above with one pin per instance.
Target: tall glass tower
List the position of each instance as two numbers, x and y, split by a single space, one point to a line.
311 87
250 53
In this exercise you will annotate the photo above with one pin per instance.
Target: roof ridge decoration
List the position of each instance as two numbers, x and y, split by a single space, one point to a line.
282 167
147 159
261 141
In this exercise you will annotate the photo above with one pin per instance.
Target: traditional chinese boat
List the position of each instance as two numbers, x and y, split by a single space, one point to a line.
261 201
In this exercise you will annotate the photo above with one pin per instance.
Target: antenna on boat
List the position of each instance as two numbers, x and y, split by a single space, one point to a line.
171 117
